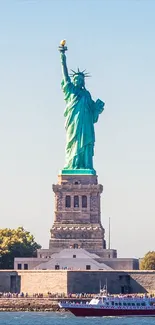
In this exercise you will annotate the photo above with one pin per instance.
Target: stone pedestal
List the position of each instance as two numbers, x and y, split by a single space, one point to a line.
77 222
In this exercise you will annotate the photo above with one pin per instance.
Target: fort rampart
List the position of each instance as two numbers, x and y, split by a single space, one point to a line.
66 281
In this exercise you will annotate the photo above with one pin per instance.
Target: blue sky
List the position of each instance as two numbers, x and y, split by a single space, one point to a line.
114 41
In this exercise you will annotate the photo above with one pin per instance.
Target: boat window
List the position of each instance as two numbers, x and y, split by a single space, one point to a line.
124 303
120 304
107 303
143 303
138 304
112 303
133 304
116 303
129 304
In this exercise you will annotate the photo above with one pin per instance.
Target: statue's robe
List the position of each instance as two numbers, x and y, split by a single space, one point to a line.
81 113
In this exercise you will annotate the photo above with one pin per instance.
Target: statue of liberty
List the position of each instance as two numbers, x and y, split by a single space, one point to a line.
81 113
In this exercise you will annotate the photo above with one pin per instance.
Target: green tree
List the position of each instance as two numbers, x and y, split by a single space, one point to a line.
148 261
16 243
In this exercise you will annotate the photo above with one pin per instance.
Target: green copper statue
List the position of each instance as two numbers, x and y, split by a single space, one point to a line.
81 113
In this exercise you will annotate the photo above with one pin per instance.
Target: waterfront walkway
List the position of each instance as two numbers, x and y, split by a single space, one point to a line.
34 304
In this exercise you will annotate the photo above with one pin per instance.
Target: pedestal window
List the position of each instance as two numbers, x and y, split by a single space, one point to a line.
68 201
76 201
84 201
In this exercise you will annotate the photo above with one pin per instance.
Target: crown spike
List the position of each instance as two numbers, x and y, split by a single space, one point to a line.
83 73
73 71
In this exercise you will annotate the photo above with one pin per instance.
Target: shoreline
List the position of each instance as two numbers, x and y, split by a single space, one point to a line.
31 309
29 304
3 310
33 304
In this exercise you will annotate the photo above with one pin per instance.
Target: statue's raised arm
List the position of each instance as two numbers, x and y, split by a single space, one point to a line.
62 49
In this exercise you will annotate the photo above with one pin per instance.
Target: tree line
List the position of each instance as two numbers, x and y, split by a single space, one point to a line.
16 243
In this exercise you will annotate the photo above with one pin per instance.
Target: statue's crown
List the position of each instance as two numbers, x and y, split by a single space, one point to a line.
82 73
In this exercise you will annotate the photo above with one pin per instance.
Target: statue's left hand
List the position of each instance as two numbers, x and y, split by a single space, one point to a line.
100 104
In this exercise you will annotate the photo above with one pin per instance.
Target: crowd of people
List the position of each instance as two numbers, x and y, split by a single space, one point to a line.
48 295
64 296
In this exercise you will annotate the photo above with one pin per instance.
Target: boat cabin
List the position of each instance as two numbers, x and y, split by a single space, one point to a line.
123 302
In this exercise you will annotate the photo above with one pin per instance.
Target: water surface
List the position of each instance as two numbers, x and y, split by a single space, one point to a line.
51 318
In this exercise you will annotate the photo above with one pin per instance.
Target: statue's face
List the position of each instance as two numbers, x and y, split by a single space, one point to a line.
78 81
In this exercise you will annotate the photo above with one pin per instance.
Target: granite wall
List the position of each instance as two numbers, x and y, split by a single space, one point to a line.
65 281
117 281
40 281
9 281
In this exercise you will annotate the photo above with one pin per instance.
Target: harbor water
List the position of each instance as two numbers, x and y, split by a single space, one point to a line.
53 318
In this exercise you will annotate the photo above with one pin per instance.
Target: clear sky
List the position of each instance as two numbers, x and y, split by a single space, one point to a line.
115 41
